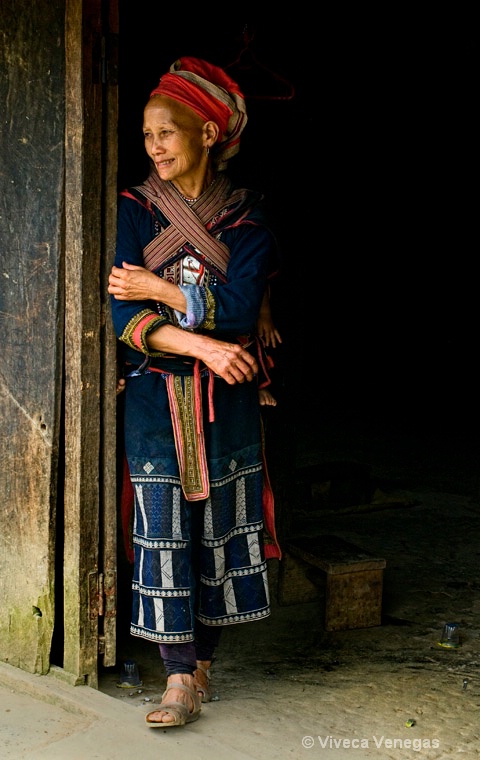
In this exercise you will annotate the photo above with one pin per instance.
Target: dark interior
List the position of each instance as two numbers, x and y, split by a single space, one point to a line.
367 173
360 135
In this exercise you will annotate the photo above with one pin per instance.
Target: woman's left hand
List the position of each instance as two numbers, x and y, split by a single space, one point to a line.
132 283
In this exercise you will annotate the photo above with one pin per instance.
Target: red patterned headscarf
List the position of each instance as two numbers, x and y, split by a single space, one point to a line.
213 95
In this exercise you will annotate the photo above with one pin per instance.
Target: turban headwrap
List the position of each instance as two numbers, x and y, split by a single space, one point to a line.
213 95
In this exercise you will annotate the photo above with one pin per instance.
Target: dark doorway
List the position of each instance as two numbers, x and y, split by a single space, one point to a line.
366 173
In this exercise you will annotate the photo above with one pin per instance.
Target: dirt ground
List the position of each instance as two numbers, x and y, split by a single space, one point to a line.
387 691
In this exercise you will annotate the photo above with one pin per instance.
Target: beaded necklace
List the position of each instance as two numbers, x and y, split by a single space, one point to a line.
191 201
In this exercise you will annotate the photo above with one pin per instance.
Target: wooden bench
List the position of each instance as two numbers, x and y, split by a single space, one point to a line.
350 578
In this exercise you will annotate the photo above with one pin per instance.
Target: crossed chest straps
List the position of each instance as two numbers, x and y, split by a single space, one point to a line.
188 223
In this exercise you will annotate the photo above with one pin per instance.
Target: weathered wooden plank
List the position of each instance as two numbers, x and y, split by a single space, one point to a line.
83 237
109 355
31 182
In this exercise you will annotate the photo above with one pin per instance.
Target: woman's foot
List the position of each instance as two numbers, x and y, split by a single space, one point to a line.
180 703
265 398
201 680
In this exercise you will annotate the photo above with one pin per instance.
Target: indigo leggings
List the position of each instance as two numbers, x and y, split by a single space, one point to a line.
182 658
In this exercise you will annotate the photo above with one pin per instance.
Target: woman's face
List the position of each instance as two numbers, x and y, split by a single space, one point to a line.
174 139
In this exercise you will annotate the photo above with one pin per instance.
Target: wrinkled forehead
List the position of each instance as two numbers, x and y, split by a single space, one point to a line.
163 109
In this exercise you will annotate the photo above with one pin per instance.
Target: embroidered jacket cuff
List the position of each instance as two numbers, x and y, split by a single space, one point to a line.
200 308
136 332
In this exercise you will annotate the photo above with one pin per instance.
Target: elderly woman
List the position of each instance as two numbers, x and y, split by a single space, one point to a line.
192 261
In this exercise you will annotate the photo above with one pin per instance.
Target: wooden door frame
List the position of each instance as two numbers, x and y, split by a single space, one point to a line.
89 563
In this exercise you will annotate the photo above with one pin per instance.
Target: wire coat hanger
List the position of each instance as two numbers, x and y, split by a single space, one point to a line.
247 62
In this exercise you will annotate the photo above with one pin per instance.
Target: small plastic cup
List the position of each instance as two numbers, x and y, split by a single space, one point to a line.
450 636
129 675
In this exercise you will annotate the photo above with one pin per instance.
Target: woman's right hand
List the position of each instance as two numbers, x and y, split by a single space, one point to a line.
228 360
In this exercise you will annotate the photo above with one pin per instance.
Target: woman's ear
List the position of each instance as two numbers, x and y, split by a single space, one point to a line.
211 132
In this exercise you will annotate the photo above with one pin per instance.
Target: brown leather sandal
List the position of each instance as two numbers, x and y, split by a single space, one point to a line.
201 682
179 711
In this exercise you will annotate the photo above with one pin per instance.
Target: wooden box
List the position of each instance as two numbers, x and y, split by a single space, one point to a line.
353 580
